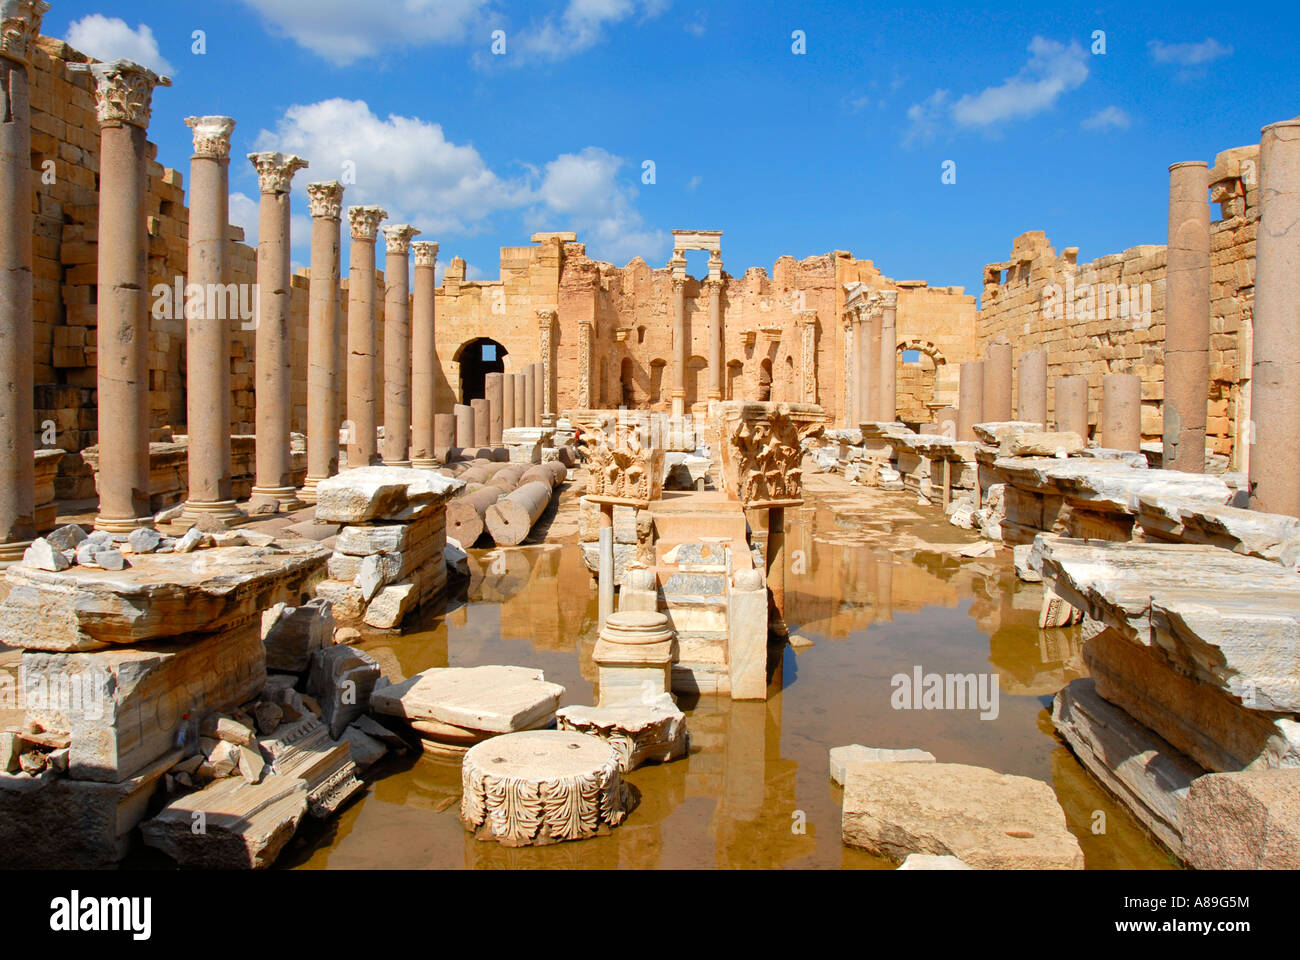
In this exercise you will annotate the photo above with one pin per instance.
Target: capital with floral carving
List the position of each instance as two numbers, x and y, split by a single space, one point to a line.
889 299
426 253
762 455
621 469
20 25
364 221
275 170
397 238
546 318
211 136
123 91
808 317
325 200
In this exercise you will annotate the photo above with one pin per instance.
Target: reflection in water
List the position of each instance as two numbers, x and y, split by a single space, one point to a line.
755 789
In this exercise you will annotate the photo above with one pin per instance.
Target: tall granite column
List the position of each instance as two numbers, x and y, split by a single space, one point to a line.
530 395
1275 391
863 370
424 357
273 487
997 381
363 337
123 97
521 398
397 344
325 201
546 369
1121 411
507 401
1031 387
888 387
717 361
207 326
1072 405
22 24
970 402
680 347
1187 318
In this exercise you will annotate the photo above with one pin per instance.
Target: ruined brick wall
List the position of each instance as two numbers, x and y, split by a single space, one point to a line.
1102 337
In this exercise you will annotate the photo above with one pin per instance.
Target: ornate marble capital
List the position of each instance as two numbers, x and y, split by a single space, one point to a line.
808 317
889 299
20 25
123 91
679 284
620 469
276 170
397 238
211 136
364 221
545 318
325 200
764 449
426 253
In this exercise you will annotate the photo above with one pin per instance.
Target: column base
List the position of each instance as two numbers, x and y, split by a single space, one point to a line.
714 395
11 553
122 524
308 492
284 499
225 512
397 463
425 463
679 403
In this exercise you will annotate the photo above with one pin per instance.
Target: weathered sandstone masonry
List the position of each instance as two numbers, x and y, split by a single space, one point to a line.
325 200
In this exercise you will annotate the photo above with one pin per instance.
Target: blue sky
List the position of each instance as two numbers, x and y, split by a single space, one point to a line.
840 147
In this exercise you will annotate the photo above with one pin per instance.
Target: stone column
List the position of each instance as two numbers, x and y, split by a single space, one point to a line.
495 402
808 355
546 369
1275 389
680 347
970 402
464 426
444 435
888 386
530 395
997 382
325 201
424 357
273 488
539 392
22 24
207 327
363 337
397 344
521 398
1121 411
481 428
1031 386
1187 318
585 336
851 408
123 97
717 360
871 342
507 401
1072 405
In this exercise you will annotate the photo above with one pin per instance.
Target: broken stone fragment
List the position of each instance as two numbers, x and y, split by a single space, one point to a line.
292 634
192 540
230 538
494 699
32 763
228 729
268 716
390 606
251 764
366 750
927 861
67 538
10 750
43 555
841 757
144 540
1248 820
86 551
342 679
111 559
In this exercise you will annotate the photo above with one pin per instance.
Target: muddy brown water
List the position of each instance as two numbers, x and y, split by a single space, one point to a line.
755 790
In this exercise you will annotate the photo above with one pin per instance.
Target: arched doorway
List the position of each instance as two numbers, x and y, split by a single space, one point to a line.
765 380
917 380
477 359
627 378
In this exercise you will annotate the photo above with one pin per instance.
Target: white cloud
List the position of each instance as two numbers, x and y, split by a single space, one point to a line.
1188 54
694 183
340 32
581 190
581 26
108 38
1053 70
243 213
404 164
1108 118
699 26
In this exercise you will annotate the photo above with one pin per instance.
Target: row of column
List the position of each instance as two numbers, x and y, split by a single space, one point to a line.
682 340
873 333
510 400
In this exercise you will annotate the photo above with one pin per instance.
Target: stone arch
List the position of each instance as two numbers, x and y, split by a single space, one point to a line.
735 371
475 359
917 380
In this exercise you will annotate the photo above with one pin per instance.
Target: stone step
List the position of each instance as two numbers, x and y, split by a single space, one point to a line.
704 555
701 620
688 585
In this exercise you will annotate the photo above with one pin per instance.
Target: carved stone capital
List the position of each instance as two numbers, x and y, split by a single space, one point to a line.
20 25
364 221
397 238
763 451
426 253
889 299
123 91
620 468
325 200
211 136
808 317
545 318
275 170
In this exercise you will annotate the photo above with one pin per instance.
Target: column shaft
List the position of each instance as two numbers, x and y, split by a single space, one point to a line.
1187 318
326 200
997 381
1031 386
424 357
363 338
678 393
1072 405
888 385
1121 411
397 345
970 402
717 360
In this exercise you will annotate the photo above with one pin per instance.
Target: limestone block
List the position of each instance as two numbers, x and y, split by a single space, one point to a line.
342 679
1041 443
1243 821
747 632
124 708
638 732
525 443
987 819
292 634
382 494
842 757
496 699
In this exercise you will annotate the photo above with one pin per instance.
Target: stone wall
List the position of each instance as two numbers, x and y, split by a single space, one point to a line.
1097 336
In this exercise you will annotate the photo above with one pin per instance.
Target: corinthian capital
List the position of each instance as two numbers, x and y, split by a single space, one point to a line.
123 91
211 136
397 237
325 199
364 221
546 317
426 253
20 25
275 170
889 299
